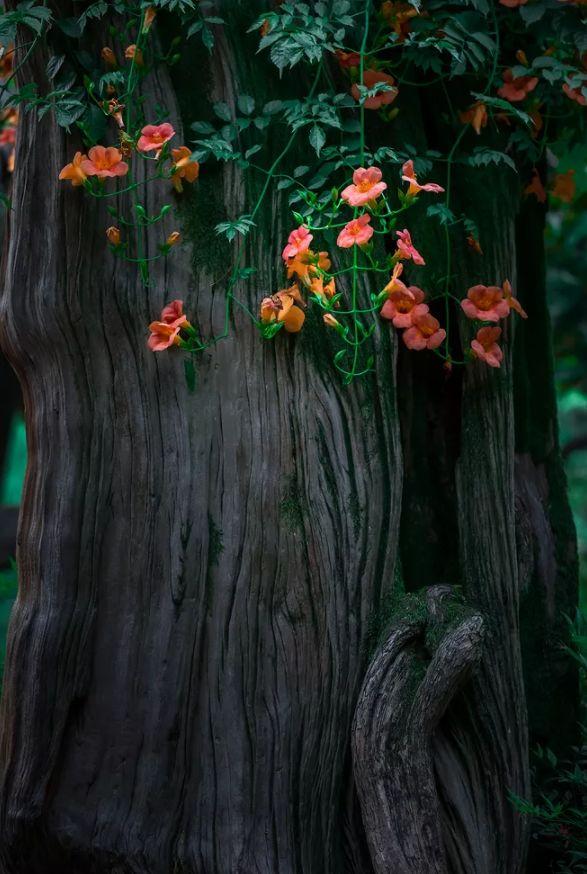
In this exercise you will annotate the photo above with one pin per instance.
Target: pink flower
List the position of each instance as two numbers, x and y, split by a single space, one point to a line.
513 302
163 336
348 60
102 162
425 333
409 175
297 242
8 135
536 187
485 303
173 314
382 98
402 308
367 186
516 89
73 171
355 233
406 249
395 283
485 347
154 136
575 94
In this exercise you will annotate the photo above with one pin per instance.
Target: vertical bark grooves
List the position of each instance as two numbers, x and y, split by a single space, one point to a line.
404 696
198 572
201 574
486 505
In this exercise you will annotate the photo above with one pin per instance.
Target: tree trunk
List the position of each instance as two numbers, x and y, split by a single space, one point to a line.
211 604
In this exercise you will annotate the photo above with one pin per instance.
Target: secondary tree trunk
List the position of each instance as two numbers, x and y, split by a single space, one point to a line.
205 578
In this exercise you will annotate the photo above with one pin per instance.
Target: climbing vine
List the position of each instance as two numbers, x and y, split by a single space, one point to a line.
521 71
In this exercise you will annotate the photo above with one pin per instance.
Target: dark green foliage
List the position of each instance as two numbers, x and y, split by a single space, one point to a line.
559 809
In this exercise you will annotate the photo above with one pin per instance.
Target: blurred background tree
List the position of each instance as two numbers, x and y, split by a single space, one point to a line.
566 241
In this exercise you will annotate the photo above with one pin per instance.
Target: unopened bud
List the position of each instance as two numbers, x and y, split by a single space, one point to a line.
113 235
331 322
521 57
149 18
132 53
173 238
109 57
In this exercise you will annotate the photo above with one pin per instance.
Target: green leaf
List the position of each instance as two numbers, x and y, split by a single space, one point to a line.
505 105
54 64
246 104
533 13
202 127
483 157
115 78
272 107
69 26
208 37
286 54
35 17
485 40
445 215
252 151
194 28
241 226
222 110
317 138
68 111
246 272
92 124
94 11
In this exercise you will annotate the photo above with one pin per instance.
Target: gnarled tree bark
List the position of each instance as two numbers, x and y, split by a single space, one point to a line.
202 576
406 692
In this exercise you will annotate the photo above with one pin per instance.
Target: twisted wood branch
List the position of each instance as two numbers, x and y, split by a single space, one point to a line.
405 694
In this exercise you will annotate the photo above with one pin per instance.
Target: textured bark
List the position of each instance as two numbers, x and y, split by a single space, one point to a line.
9 391
198 572
203 575
402 701
486 506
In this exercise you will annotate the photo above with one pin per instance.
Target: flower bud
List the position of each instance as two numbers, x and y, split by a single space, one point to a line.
149 18
173 238
113 235
331 322
473 244
115 110
132 53
109 57
521 57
